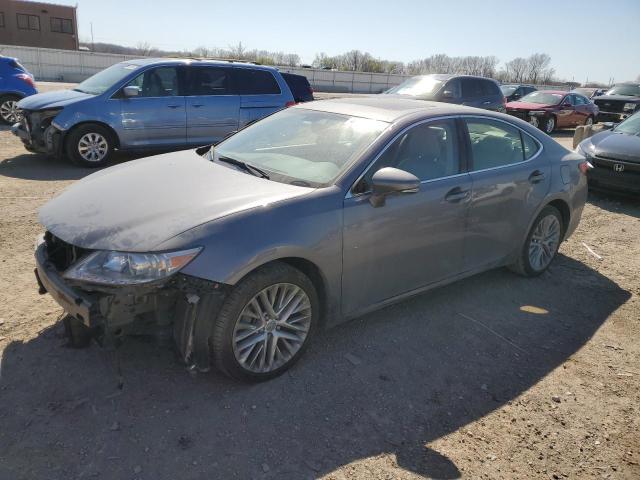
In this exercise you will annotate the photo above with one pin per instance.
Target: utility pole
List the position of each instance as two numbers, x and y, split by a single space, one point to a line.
93 48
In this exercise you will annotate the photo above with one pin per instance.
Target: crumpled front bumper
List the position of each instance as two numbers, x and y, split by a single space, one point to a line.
36 138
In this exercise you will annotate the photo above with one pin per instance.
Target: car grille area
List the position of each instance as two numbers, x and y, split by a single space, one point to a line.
60 253
611 106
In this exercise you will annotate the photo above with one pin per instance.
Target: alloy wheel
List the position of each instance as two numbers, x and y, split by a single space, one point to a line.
551 124
272 328
589 121
534 121
544 242
9 111
93 147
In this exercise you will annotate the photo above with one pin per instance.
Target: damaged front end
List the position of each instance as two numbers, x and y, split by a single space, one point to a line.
179 304
39 132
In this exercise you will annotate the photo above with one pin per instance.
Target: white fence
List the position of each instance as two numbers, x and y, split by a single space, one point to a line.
76 65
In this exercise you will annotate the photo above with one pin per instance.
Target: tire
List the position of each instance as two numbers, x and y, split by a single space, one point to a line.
526 264
8 114
239 337
589 121
548 125
95 141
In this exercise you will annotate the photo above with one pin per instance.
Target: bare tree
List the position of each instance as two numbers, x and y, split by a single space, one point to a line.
145 49
538 64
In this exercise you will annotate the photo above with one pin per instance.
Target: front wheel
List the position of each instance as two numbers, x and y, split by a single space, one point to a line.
549 125
265 323
542 243
90 145
589 121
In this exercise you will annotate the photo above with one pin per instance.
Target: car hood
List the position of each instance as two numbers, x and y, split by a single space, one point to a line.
140 204
618 98
528 105
57 99
618 146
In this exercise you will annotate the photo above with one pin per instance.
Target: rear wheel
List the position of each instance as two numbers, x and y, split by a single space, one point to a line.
265 323
542 243
9 109
90 145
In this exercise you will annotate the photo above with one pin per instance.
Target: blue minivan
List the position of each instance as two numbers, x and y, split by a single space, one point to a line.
15 83
150 104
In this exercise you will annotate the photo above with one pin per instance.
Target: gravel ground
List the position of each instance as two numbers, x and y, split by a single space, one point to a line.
493 377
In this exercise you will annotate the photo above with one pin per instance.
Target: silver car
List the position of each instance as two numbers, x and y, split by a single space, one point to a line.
316 214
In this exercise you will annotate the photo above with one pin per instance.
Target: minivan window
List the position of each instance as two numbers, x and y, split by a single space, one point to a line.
104 80
489 88
255 82
157 82
471 88
209 81
494 143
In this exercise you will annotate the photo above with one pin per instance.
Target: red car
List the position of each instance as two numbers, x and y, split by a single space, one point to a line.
551 109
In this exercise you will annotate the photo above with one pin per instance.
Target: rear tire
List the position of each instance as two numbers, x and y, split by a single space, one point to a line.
252 344
8 109
541 245
90 145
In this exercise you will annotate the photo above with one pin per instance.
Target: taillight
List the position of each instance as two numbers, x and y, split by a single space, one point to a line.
504 101
310 89
289 104
26 78
585 167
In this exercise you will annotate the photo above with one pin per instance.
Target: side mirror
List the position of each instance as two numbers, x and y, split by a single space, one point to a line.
567 105
447 94
131 91
391 180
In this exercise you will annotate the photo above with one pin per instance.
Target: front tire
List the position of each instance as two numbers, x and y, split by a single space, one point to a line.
589 121
542 243
265 324
90 145
549 125
8 109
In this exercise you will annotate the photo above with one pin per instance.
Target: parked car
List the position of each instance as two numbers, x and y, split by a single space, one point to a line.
150 103
15 83
619 102
513 92
615 156
299 86
589 92
313 215
551 109
477 92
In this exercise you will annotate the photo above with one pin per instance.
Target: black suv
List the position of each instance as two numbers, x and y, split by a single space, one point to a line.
477 92
513 92
619 102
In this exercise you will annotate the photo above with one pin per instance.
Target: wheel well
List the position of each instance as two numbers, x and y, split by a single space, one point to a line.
111 130
312 271
563 208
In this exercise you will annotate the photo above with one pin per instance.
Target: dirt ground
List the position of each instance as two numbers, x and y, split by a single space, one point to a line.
496 376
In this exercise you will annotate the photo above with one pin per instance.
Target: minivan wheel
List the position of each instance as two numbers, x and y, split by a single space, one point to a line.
542 243
265 323
549 125
9 109
90 145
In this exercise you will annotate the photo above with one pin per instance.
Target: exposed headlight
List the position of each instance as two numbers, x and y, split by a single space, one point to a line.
585 149
124 268
630 106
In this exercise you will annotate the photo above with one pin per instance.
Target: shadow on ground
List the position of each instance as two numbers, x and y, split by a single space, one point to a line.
616 202
388 383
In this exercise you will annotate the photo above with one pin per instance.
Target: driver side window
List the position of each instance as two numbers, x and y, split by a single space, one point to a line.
429 151
157 82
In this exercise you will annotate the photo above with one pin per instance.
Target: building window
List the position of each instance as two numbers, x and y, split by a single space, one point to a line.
1 19
61 25
28 22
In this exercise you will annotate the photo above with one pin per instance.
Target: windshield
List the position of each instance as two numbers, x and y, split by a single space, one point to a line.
543 98
625 89
425 86
302 147
631 126
102 81
585 91
507 89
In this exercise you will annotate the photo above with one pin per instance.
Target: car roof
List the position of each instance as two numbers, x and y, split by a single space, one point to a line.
448 76
387 108
195 61
557 92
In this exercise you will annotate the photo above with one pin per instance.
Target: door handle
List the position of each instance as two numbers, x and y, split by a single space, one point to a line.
536 177
197 105
173 106
486 103
456 195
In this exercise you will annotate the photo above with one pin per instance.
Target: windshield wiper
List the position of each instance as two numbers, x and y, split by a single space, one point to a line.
244 166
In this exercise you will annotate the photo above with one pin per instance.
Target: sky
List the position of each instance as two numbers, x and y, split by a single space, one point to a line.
586 39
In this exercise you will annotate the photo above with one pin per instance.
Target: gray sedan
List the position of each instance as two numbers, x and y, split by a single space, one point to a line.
316 214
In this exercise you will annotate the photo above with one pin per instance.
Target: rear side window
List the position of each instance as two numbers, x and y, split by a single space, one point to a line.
471 88
530 146
255 82
494 143
209 81
489 88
